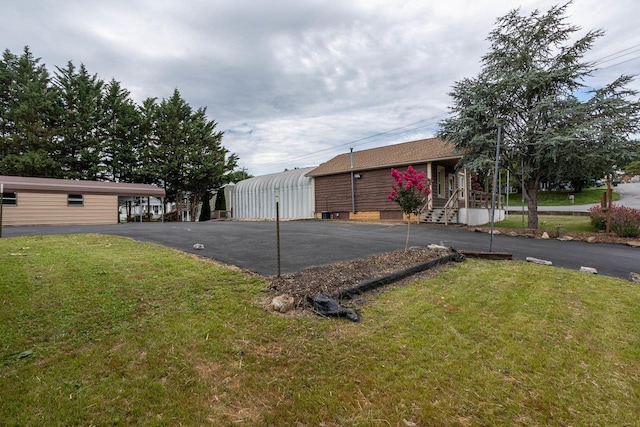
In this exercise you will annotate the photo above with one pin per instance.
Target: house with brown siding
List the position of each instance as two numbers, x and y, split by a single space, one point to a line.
46 201
356 185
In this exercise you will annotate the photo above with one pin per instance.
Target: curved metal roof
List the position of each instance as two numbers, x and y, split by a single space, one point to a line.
255 197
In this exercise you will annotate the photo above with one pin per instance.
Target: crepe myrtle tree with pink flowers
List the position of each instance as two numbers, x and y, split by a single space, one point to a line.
410 192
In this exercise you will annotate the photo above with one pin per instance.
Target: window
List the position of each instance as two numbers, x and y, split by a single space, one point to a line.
75 200
10 198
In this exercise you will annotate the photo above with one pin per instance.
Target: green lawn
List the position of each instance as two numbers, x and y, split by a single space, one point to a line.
561 198
567 223
127 333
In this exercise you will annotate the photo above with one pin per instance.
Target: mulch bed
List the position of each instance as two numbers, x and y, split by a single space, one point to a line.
332 278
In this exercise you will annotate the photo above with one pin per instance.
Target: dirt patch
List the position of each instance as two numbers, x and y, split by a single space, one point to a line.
329 279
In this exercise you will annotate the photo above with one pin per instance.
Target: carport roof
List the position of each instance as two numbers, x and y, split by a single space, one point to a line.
396 155
50 185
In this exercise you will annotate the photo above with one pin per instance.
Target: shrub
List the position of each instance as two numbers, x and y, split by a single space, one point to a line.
598 218
625 222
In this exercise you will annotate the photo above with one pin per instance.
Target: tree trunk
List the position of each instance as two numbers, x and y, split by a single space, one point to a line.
531 188
406 243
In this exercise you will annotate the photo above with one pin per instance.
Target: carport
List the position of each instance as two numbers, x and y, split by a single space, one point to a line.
48 201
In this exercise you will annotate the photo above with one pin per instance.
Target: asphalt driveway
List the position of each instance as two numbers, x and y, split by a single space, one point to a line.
253 245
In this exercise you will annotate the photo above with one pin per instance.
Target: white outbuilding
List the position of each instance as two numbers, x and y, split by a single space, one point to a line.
255 198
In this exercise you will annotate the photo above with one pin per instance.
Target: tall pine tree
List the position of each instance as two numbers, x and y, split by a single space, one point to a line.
27 127
79 113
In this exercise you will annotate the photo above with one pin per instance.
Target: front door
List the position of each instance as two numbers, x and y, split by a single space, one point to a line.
451 185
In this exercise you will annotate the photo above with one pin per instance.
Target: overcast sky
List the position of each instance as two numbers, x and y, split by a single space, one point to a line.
294 83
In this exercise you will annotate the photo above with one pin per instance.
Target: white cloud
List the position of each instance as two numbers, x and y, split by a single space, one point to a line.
292 83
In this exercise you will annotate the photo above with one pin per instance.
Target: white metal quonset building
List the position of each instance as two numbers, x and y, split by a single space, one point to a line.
255 198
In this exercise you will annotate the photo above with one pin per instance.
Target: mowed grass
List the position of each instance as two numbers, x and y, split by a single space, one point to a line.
567 223
126 333
588 196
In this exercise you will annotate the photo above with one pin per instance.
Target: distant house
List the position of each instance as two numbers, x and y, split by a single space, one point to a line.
356 185
46 201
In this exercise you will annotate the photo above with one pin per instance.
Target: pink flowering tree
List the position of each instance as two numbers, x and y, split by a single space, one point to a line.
410 192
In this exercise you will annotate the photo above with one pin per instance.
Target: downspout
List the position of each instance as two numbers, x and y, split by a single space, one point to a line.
353 194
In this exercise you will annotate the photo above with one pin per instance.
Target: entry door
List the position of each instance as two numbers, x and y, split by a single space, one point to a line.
451 184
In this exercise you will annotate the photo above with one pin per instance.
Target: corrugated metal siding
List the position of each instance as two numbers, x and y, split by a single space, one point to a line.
52 209
255 198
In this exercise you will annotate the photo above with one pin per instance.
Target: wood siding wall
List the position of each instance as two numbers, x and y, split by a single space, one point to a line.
333 192
52 209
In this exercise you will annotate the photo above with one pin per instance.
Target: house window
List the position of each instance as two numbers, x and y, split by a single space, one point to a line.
10 198
75 200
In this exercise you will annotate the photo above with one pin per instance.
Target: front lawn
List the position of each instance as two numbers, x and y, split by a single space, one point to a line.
588 196
103 330
567 223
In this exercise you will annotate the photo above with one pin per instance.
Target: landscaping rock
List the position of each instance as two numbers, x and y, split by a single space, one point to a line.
438 248
589 270
538 261
565 239
545 236
282 303
591 239
634 277
513 234
634 243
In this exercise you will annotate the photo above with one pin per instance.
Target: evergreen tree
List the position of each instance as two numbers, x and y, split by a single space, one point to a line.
189 150
26 111
528 85
149 159
122 139
79 114
221 203
205 212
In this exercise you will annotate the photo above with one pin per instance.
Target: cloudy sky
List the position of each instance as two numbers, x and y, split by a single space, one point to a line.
294 83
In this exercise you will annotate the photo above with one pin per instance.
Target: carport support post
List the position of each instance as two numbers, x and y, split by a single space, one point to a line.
278 226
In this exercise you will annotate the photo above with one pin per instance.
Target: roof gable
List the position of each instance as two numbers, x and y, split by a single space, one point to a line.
396 155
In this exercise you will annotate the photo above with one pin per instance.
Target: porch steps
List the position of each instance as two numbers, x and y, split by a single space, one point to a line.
437 216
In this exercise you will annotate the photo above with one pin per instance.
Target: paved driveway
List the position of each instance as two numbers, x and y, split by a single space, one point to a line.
252 245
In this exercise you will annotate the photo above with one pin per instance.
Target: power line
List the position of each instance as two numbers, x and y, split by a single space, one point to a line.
433 120
633 48
619 63
391 132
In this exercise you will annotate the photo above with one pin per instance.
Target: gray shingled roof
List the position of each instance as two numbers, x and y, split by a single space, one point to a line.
407 153
50 185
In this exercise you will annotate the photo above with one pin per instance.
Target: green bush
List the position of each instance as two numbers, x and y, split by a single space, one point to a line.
598 218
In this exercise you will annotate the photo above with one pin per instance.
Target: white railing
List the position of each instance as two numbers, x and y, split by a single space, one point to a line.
451 204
